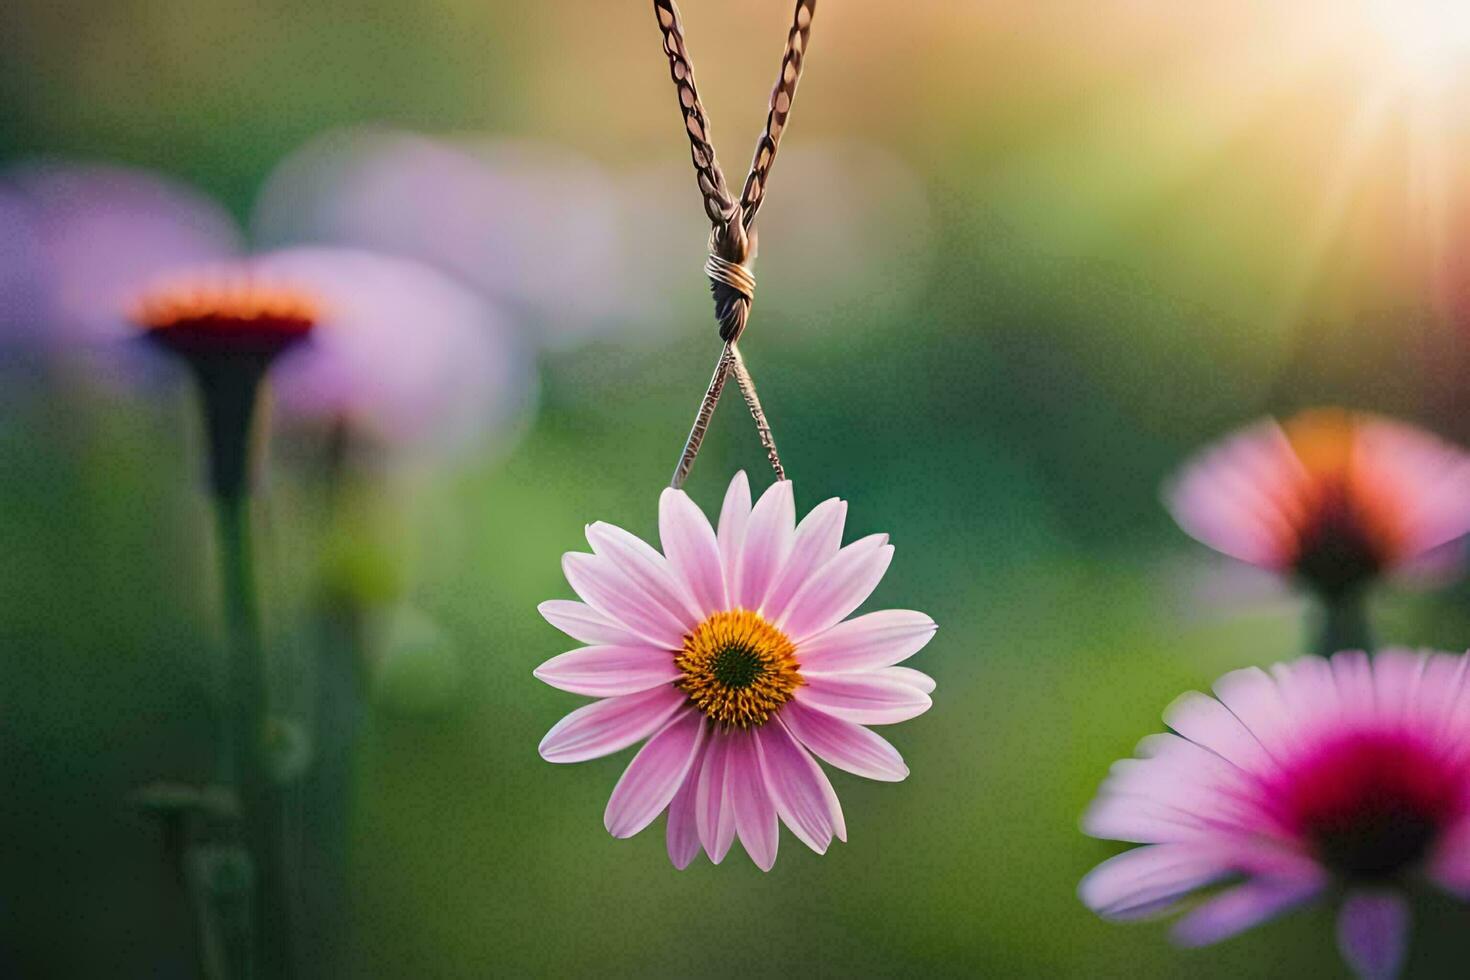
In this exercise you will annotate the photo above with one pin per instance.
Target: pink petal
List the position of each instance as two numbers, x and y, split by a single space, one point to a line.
878 639
837 588
767 542
714 814
655 775
755 814
845 745
1146 880
1243 907
692 550
1204 720
581 622
817 540
1253 697
1236 496
604 727
608 671
1373 932
734 516
909 676
1176 791
609 591
803 797
682 832
1353 687
1449 867
863 698
648 570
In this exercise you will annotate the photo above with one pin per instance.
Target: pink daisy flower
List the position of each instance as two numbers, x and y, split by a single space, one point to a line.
1348 773
402 356
1333 498
732 655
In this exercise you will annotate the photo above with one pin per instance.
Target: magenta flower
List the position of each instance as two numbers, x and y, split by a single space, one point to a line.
400 354
729 653
1346 773
1331 497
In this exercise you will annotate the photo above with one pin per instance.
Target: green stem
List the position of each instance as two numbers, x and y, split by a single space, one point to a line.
1344 624
244 753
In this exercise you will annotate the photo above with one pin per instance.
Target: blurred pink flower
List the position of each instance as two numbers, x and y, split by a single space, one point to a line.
1331 497
1346 772
579 249
530 225
402 355
729 653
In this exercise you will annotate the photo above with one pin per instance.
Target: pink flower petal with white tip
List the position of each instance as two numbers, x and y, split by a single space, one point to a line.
648 570
878 639
837 588
755 813
768 537
693 551
907 675
734 516
581 622
803 796
713 810
1146 880
865 699
843 744
817 540
682 832
655 775
607 726
606 589
608 671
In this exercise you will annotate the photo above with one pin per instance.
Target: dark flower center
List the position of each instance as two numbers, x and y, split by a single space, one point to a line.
1372 806
737 666
231 320
1336 555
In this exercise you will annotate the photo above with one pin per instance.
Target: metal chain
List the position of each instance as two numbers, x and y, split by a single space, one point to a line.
732 236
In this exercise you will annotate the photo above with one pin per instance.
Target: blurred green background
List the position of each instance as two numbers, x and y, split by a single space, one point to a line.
1146 224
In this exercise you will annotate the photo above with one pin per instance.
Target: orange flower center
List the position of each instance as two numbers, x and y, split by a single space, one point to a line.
738 668
236 318
1347 521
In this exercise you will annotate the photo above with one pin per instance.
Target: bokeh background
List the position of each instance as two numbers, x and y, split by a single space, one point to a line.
1017 261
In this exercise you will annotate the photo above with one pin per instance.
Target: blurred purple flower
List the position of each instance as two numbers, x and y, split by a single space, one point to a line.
402 355
20 276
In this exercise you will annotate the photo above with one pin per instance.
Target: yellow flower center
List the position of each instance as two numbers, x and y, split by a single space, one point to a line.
738 668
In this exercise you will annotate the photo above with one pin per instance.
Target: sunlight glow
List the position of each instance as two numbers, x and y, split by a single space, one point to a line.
1428 40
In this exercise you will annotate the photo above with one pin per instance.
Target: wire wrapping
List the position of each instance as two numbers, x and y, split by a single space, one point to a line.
732 235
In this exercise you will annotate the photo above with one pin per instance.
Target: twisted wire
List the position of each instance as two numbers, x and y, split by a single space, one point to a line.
719 206
732 234
783 94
